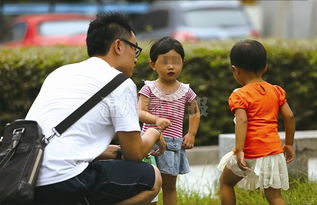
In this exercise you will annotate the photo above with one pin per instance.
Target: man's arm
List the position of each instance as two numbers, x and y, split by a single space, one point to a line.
136 147
110 153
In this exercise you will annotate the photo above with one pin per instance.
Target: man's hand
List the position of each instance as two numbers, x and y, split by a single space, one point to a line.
162 146
109 153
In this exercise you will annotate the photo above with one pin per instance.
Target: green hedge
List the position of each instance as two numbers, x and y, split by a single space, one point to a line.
292 64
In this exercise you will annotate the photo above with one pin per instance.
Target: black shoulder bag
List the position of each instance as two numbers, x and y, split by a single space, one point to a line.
22 146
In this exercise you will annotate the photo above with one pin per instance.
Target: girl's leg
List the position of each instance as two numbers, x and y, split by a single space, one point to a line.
274 196
227 182
169 189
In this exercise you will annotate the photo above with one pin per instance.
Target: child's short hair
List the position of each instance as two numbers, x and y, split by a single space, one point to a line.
165 45
249 55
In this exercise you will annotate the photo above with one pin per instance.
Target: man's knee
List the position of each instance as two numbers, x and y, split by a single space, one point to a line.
158 180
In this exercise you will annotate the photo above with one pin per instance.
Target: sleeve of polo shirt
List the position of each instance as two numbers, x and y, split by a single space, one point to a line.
236 100
124 110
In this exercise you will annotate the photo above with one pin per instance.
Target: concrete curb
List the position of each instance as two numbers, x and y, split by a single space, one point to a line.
203 155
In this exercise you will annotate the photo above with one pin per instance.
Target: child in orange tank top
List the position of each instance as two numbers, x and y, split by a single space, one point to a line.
259 159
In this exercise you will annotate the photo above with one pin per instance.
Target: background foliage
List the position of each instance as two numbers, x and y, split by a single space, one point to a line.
292 65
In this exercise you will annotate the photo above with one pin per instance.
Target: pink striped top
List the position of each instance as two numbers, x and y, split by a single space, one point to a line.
170 106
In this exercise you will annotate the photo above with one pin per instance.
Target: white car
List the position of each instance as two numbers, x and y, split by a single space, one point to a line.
193 21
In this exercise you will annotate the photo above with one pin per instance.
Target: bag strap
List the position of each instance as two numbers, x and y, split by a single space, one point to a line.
86 106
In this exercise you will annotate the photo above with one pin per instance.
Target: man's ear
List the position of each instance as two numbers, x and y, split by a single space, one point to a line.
116 45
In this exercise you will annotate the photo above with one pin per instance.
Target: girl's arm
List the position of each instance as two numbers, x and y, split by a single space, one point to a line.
194 119
147 117
289 124
241 132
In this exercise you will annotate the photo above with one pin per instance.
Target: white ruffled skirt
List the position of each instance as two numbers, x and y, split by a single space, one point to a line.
270 171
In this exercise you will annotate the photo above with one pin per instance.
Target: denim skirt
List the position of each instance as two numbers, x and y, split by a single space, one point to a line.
174 161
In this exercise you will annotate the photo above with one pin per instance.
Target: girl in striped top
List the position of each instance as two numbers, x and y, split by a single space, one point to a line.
162 105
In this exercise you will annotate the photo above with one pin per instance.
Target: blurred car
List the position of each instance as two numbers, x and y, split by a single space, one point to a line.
192 21
46 29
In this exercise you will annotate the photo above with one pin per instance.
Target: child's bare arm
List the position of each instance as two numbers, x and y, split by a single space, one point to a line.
240 132
194 119
147 117
289 124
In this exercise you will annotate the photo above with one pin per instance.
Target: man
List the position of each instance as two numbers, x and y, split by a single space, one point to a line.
70 170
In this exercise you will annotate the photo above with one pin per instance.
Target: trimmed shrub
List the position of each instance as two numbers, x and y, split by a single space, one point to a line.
292 65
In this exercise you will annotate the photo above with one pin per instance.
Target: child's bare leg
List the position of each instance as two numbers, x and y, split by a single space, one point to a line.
169 189
274 196
227 182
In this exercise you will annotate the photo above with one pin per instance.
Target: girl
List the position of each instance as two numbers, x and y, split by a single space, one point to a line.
162 103
259 159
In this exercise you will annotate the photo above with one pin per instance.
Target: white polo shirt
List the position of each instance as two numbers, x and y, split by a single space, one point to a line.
63 91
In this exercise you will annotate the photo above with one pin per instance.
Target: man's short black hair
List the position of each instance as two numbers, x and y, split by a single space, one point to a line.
106 28
249 55
164 45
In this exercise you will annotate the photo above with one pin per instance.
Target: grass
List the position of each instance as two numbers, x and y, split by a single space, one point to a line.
301 192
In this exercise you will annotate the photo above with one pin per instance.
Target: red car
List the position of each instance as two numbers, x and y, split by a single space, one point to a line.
46 30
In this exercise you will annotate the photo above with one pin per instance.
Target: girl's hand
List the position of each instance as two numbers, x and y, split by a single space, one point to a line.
241 162
189 141
289 153
162 123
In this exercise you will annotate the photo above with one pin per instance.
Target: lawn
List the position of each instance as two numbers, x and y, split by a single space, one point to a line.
301 192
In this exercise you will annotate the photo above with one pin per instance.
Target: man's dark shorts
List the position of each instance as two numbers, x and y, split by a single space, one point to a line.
102 182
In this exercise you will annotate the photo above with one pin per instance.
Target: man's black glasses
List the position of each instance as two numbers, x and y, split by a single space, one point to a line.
135 46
